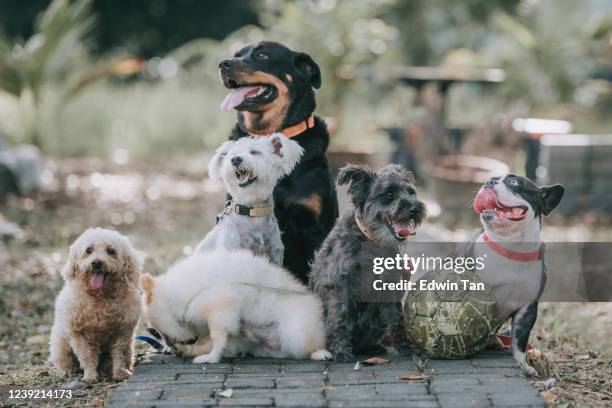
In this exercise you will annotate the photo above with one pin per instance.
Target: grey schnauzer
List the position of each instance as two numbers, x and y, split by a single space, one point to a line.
386 211
250 168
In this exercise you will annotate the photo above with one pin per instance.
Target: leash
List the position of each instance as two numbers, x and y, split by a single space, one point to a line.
536 255
294 130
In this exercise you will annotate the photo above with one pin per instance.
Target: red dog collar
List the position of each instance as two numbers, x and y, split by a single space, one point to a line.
512 255
296 129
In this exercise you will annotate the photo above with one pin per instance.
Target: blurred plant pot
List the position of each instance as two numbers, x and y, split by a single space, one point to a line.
339 158
454 181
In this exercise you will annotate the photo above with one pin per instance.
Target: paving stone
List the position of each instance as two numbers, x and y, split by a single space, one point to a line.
300 382
249 382
199 378
296 401
246 402
256 368
405 388
136 395
492 379
190 391
303 368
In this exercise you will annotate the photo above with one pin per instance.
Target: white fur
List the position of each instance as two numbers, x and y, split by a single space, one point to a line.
269 166
268 159
242 302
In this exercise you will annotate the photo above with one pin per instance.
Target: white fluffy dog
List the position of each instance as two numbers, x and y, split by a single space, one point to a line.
250 168
98 308
234 301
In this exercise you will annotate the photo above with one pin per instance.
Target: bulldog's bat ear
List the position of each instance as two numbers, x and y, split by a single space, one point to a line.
551 195
305 64
359 177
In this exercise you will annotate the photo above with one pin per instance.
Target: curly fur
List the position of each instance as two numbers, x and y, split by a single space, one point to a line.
354 326
93 325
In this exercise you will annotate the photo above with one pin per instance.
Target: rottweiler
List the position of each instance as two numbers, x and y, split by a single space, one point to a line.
272 89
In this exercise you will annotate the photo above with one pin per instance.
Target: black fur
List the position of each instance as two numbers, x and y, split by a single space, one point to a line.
542 199
305 201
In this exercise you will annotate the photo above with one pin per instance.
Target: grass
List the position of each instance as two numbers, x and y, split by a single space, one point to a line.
165 210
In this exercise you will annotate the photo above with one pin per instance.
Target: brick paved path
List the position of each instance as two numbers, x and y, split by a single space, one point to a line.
490 380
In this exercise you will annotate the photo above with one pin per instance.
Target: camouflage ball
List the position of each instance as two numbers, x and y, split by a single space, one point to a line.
448 323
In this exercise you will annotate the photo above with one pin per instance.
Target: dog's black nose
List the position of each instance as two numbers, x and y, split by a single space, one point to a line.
225 64
97 264
490 183
236 160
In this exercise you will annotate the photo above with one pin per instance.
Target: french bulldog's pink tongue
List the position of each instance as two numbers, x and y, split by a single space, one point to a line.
236 96
97 280
402 230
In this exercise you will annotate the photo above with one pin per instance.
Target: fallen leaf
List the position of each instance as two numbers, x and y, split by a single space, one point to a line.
222 393
226 393
548 397
414 377
375 361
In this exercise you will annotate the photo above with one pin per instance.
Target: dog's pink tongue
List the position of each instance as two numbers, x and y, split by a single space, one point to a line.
485 200
97 280
236 96
402 230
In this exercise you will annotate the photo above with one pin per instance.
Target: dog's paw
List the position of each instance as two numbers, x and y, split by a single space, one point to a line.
343 356
207 358
529 370
90 379
321 355
121 374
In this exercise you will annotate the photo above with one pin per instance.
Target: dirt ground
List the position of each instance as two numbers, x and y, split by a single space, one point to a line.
165 211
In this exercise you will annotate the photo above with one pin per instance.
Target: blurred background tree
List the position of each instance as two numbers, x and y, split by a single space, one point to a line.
172 102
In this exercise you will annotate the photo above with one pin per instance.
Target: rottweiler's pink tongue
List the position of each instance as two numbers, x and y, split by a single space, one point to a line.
236 96
97 280
485 200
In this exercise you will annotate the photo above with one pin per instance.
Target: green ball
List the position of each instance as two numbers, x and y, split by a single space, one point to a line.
448 323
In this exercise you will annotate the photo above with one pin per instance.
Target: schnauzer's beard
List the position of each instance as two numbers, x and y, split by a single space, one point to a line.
259 191
376 218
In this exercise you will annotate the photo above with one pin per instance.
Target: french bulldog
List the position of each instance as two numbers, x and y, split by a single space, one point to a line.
511 210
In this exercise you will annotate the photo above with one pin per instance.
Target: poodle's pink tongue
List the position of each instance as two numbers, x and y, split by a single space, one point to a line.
97 280
236 96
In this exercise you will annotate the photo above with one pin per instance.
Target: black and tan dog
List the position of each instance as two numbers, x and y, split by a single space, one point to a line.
271 87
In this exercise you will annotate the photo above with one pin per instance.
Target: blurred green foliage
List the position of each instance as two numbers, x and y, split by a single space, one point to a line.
549 49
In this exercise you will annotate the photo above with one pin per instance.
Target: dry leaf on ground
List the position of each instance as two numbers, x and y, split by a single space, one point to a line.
376 361
414 377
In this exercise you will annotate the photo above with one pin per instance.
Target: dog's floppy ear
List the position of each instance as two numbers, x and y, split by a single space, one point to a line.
551 195
71 267
288 151
214 166
360 178
147 283
133 260
305 64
